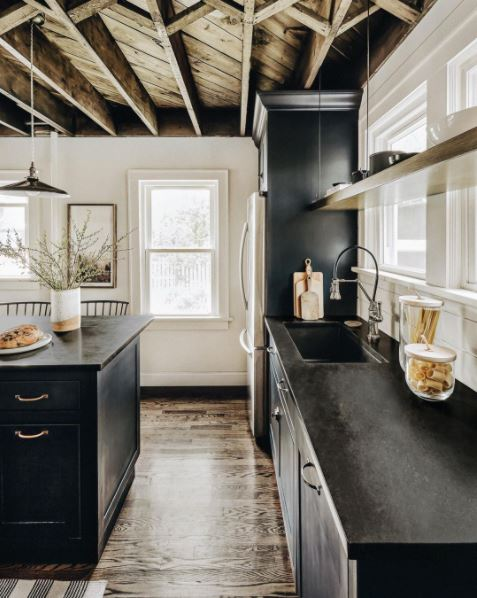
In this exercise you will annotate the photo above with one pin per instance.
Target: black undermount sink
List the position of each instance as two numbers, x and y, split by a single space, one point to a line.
330 342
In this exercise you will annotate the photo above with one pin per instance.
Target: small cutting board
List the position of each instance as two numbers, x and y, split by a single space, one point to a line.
300 286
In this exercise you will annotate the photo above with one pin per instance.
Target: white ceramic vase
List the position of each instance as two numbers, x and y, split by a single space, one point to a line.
65 310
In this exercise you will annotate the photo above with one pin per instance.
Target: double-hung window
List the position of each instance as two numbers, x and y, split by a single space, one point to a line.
401 235
16 214
462 95
182 234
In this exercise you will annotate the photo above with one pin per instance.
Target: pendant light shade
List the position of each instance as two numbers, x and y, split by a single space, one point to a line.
31 186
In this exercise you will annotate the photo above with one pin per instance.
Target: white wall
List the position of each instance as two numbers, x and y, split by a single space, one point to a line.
447 29
94 170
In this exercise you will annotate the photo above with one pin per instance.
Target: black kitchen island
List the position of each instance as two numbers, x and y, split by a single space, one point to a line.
69 439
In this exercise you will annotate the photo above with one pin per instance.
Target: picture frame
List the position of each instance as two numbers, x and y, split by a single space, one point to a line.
101 217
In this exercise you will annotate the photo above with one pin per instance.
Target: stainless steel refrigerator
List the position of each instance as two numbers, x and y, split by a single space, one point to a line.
252 284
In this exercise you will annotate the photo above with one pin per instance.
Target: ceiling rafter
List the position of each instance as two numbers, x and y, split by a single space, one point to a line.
270 8
12 117
357 19
188 16
248 18
227 8
400 10
176 54
88 8
318 46
309 18
60 75
101 48
15 85
16 15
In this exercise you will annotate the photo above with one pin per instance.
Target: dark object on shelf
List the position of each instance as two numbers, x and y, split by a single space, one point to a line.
359 175
381 160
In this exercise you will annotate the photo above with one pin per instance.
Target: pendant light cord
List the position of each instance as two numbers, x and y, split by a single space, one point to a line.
32 97
367 89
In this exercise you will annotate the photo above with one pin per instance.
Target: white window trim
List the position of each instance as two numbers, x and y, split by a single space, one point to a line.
33 232
408 112
137 258
458 71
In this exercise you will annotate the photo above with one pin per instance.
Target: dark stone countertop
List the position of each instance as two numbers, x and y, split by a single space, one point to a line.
401 471
93 346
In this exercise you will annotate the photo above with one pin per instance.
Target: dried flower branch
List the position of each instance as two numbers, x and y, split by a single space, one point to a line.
66 264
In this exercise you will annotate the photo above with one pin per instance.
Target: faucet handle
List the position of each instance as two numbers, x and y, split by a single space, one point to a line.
335 294
375 312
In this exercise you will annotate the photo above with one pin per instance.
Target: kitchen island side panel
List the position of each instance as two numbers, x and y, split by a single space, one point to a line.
118 432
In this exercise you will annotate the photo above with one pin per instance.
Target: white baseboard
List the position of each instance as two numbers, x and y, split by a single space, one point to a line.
194 379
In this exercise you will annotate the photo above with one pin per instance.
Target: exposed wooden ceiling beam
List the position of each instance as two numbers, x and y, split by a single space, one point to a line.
40 7
188 16
16 15
88 9
176 54
101 48
309 18
399 9
15 85
12 117
60 75
318 46
357 19
248 19
270 8
228 8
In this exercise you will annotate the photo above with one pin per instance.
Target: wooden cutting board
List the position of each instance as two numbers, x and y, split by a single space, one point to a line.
299 287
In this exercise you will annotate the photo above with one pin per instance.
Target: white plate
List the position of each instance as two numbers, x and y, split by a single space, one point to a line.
45 340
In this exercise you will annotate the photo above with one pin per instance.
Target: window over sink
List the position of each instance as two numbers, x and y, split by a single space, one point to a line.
180 271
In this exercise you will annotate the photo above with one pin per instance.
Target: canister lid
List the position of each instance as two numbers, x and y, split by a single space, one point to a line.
430 353
418 301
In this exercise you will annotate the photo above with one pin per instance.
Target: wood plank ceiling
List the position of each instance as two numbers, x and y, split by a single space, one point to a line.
183 67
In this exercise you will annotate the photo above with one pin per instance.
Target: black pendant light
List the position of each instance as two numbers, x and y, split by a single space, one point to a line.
32 186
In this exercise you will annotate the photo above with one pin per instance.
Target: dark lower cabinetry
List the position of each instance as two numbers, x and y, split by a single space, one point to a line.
40 480
326 564
323 561
69 439
316 549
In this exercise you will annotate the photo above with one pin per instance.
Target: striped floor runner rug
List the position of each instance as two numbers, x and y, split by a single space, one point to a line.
48 588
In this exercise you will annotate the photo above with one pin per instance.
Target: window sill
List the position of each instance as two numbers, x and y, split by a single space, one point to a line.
462 296
189 323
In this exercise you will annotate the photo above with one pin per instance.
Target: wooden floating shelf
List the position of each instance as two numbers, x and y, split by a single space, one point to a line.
448 166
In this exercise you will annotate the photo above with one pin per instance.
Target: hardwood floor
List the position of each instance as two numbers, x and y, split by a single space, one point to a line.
202 518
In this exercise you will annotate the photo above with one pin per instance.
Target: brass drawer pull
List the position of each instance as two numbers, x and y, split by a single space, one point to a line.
316 487
31 399
271 350
31 436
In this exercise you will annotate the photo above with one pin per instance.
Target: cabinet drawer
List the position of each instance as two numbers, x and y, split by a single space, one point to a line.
29 395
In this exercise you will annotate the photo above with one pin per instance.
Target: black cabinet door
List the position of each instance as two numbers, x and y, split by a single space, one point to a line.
323 561
284 454
39 481
274 404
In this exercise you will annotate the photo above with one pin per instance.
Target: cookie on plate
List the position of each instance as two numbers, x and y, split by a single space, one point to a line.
20 336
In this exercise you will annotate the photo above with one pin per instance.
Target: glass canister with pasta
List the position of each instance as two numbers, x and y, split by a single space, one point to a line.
430 371
418 316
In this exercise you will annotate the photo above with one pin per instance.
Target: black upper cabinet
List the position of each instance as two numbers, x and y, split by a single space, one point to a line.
307 143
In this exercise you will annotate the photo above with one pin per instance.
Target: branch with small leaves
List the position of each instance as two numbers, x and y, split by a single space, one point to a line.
66 264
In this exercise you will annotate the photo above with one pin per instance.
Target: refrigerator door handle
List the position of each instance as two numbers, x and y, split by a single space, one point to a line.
243 342
241 257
